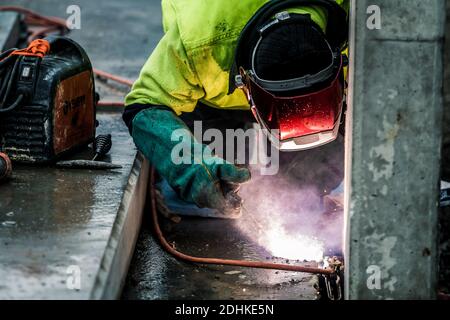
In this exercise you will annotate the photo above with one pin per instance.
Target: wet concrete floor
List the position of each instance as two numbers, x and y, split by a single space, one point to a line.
156 275
55 223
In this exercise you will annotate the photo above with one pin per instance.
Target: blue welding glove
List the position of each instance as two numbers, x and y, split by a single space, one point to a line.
201 178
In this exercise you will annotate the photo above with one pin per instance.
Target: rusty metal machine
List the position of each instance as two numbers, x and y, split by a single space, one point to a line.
47 101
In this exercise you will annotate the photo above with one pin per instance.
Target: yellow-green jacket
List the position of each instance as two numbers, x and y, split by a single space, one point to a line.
192 61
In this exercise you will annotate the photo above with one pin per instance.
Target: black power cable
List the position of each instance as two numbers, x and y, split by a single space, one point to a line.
9 68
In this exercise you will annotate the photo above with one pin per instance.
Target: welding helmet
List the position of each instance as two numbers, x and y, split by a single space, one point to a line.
292 75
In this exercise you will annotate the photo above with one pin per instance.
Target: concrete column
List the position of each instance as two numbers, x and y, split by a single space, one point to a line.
393 149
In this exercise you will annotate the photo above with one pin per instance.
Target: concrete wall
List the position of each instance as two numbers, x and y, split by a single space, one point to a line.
446 128
394 150
444 272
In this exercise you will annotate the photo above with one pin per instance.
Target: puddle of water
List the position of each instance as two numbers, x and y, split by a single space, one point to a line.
8 223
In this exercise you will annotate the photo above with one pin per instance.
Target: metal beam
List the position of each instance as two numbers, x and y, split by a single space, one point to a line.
393 151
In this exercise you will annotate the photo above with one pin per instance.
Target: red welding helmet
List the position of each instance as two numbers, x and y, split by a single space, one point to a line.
299 104
299 122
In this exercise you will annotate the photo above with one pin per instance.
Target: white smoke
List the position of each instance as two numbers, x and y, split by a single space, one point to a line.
288 220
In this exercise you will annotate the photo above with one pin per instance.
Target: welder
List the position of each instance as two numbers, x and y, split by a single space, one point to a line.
228 63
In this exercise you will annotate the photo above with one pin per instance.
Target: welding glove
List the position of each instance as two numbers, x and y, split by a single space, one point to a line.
191 170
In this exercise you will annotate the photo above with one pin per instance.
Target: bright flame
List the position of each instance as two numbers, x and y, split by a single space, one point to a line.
283 218
299 247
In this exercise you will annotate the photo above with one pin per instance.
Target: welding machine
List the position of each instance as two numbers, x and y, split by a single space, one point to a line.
47 100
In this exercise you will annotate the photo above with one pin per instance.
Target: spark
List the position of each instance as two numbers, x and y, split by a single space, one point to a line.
293 247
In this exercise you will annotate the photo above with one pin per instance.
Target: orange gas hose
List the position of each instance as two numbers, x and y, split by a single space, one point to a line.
237 263
36 18
49 24
52 24
106 75
110 104
112 77
37 48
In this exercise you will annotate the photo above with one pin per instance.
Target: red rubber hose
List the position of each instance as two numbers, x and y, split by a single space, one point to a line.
110 76
216 261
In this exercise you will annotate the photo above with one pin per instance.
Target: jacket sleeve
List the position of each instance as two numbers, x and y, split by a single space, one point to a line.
168 78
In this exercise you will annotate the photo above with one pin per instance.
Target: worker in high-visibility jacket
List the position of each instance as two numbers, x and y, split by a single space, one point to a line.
281 59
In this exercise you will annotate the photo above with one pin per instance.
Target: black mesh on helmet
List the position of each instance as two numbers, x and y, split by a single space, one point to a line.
291 51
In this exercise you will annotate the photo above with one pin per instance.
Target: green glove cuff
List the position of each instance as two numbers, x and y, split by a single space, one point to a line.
200 179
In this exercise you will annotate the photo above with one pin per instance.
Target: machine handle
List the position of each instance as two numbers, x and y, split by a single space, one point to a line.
102 145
